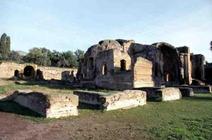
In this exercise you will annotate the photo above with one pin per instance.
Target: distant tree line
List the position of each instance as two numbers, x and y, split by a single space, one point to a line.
45 57
39 56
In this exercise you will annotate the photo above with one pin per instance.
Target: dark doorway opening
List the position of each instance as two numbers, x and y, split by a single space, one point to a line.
16 73
29 72
123 65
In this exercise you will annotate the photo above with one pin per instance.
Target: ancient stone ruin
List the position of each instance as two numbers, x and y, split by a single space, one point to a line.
124 64
47 105
35 72
131 73
112 100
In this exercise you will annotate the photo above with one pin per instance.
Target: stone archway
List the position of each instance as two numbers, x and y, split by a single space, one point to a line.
29 72
171 64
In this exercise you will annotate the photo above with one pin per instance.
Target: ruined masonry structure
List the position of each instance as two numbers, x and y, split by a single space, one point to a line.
124 64
47 105
32 71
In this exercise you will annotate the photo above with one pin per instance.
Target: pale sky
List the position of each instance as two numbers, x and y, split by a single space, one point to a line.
71 24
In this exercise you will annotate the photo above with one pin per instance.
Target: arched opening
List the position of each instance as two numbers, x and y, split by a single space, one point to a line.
104 69
16 73
123 65
29 72
171 64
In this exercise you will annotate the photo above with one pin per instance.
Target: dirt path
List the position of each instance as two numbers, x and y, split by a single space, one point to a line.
14 127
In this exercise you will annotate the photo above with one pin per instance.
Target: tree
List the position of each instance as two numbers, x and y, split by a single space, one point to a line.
79 54
15 56
39 56
4 46
55 57
70 58
211 45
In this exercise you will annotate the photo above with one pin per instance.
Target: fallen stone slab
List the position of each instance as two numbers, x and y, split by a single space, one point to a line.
112 100
162 94
49 106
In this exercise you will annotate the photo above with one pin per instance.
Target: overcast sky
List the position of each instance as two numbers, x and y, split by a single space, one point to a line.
70 24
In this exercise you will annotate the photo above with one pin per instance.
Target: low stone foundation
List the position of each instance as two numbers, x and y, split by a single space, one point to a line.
112 100
162 94
197 89
202 89
49 106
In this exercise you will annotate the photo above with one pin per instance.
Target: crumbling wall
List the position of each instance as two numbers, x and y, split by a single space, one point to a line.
208 73
186 66
56 73
170 63
198 69
109 76
8 71
108 65
112 64
153 54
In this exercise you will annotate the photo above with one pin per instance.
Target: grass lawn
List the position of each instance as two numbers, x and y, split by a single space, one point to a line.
189 118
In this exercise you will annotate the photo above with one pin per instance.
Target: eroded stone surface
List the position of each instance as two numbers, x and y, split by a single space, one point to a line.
170 94
163 94
49 106
113 100
125 100
10 69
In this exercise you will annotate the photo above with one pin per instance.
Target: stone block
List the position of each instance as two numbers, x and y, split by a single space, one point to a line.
124 100
49 106
113 100
162 94
170 94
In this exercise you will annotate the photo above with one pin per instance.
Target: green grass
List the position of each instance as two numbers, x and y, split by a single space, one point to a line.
2 90
189 118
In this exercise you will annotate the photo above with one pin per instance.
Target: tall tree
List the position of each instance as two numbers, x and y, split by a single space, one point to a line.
4 46
211 45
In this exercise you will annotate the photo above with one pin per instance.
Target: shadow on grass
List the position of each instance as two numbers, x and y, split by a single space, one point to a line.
60 85
11 107
55 84
207 97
